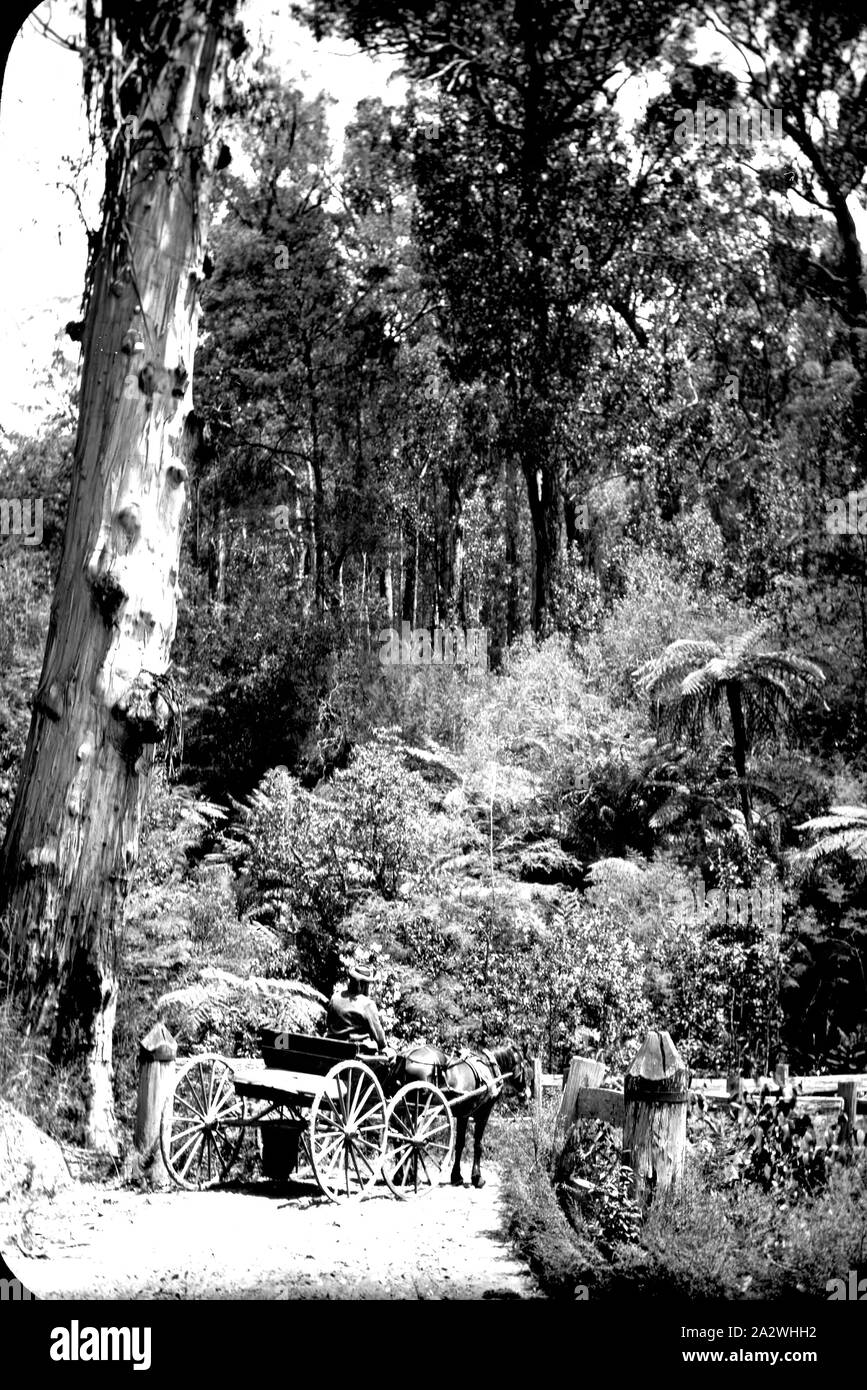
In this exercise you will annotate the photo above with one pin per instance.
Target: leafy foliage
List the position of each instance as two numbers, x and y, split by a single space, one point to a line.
766 1141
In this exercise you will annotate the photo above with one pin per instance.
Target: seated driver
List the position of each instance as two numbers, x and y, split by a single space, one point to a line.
352 1014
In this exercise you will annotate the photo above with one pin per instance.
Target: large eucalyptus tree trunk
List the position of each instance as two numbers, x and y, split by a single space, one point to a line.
103 700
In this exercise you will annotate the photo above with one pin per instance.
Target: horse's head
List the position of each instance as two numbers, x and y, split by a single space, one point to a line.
516 1071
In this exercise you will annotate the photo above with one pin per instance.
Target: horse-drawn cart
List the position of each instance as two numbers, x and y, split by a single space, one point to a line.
318 1102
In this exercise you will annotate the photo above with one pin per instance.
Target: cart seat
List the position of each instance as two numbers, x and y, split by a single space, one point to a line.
303 1052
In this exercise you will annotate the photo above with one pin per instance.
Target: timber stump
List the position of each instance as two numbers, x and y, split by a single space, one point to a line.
654 1127
156 1056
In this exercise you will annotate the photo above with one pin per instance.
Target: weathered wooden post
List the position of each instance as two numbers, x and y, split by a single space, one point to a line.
583 1071
781 1075
537 1089
654 1127
849 1091
735 1086
156 1056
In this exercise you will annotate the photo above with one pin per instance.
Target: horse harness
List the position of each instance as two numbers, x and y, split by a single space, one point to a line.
492 1087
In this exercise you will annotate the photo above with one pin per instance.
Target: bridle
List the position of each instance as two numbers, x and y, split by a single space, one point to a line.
499 1075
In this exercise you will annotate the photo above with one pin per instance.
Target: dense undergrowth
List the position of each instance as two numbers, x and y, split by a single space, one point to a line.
713 1239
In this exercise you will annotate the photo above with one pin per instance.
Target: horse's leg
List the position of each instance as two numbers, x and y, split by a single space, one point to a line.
460 1140
479 1123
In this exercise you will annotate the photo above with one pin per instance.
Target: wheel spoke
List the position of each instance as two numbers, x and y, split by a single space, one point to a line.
193 1109
436 1132
372 1125
226 1159
366 1100
345 1092
429 1120
197 1146
368 1165
351 1091
372 1135
212 1077
202 1087
180 1150
329 1148
182 1137
223 1088
406 1154
332 1158
329 1122
355 1165
397 1121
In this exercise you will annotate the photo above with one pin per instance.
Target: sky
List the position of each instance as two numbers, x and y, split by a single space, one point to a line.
43 248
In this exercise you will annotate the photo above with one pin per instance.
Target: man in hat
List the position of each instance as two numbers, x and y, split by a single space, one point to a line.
352 1014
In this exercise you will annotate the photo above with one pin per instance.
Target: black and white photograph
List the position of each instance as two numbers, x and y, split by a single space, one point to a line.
433 674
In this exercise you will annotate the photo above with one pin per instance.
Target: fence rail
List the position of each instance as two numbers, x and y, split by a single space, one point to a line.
817 1095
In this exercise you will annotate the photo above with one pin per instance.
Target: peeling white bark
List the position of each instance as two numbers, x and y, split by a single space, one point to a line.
73 835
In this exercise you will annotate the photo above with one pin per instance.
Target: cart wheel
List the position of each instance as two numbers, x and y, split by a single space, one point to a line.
347 1131
201 1130
420 1139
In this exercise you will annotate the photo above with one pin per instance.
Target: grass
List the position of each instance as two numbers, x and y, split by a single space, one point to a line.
535 1220
50 1096
706 1241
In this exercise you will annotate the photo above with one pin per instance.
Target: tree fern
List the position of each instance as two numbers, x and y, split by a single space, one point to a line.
843 831
693 681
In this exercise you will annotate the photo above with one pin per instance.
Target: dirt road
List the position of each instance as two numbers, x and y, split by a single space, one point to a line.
262 1243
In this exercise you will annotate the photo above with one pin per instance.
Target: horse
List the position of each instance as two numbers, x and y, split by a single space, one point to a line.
479 1076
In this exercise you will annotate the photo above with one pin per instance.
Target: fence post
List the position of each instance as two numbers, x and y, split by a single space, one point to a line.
654 1126
849 1091
537 1089
156 1056
583 1071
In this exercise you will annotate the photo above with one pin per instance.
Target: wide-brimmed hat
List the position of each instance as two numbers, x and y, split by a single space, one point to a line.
361 972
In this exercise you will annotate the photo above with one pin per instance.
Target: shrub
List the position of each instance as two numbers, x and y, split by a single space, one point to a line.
596 1190
384 822
577 597
607 969
535 1220
49 1095
659 605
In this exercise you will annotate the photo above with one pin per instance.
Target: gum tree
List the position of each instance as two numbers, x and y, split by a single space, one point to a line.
104 699
522 191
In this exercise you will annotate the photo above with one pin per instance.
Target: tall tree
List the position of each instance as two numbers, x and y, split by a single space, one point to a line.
808 62
516 187
104 700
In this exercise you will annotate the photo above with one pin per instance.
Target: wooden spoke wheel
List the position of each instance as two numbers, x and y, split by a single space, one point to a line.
420 1139
347 1131
202 1125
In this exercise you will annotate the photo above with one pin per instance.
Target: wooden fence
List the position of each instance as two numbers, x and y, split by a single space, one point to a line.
817 1095
652 1105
